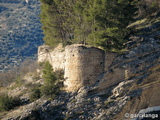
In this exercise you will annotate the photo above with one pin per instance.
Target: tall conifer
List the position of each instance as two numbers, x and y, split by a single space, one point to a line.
94 22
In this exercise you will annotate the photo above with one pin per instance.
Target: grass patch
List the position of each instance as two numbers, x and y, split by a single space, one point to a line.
19 81
73 100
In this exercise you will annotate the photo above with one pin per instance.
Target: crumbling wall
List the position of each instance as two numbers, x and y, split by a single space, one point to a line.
55 56
83 65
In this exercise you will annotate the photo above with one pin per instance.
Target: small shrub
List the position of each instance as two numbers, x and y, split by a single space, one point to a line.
50 87
73 100
19 81
41 64
7 103
35 93
28 85
36 77
48 75
49 90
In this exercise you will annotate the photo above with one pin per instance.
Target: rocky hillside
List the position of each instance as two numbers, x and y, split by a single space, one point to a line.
139 90
20 31
30 97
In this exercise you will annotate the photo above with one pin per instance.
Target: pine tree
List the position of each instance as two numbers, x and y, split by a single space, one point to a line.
109 22
53 18
81 26
94 22
49 88
48 75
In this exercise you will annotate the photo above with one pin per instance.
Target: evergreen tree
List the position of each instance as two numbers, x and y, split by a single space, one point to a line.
48 75
81 26
94 22
53 18
109 22
49 88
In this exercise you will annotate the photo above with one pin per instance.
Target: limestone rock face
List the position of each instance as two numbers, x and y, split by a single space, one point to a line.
111 78
109 58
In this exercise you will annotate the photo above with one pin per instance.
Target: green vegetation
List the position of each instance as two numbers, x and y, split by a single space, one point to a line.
48 75
19 81
94 22
35 93
7 103
51 87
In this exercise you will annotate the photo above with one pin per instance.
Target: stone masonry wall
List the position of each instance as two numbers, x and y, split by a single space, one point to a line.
56 57
83 65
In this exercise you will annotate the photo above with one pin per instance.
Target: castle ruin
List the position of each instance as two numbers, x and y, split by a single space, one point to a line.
82 65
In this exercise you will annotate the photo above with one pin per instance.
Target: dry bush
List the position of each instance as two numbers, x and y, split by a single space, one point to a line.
28 66
7 77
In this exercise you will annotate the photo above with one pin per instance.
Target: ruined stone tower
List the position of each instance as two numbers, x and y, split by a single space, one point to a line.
82 66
